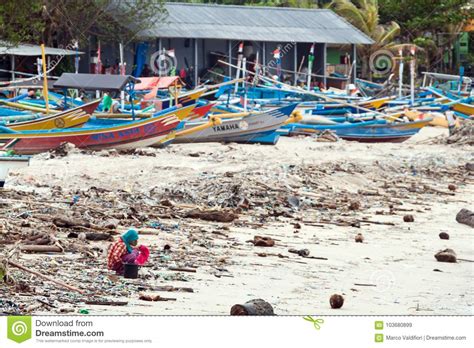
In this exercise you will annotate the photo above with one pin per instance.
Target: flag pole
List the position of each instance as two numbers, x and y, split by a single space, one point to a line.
45 79
400 75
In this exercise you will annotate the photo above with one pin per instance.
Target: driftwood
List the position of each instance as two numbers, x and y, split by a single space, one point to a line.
262 241
98 236
57 282
300 252
316 258
61 221
212 215
377 222
252 307
169 288
106 303
154 297
41 248
182 269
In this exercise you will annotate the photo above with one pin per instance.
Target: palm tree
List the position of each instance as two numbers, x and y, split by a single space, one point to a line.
364 15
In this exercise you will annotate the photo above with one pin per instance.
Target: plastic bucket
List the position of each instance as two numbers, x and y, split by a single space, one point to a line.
130 271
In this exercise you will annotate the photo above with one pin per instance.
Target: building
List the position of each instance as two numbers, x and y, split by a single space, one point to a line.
199 34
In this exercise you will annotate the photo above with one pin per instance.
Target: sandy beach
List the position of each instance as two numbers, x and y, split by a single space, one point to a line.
301 193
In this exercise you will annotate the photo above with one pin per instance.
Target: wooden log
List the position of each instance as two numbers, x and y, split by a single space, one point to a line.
154 297
106 303
182 269
41 249
252 307
169 288
377 222
94 236
316 258
62 221
212 215
38 274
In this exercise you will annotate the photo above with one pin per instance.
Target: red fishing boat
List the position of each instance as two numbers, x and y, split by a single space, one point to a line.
113 134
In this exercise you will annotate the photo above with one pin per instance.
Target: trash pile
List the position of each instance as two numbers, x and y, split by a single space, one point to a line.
55 241
464 135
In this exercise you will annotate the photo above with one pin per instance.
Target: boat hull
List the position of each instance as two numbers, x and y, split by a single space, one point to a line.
248 129
127 136
67 119
367 132
8 163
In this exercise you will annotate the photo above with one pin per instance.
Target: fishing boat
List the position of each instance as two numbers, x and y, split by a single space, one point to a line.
173 85
457 103
122 135
375 131
72 118
9 162
257 127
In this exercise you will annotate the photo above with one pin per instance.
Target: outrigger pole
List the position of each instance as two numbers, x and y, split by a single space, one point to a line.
45 79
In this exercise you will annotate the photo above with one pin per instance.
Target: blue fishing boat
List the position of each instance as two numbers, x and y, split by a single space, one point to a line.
375 131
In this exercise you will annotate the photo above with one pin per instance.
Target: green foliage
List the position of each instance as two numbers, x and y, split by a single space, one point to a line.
16 23
417 17
364 15
60 22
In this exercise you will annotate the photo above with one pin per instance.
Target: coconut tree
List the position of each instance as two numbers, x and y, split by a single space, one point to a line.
364 15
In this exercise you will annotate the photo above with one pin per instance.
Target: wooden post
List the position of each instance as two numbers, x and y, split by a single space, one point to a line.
229 58
310 67
12 60
325 61
264 58
400 74
196 75
412 75
295 64
122 72
354 64
45 79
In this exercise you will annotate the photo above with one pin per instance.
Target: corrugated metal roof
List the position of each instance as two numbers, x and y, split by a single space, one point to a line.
94 82
204 21
32 50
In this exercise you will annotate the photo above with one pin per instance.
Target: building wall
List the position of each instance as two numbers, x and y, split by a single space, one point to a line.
184 53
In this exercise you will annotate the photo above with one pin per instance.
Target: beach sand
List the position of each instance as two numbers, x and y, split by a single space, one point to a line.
392 272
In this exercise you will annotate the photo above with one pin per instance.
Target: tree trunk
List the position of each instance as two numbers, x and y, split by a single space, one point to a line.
252 307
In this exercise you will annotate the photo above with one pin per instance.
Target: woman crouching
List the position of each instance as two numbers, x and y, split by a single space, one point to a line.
125 251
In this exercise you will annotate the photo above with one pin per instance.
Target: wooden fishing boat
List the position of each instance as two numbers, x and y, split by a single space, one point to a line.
376 131
464 108
123 135
255 128
11 162
71 118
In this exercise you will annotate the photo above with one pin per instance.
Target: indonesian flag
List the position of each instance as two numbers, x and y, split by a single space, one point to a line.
276 53
241 47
